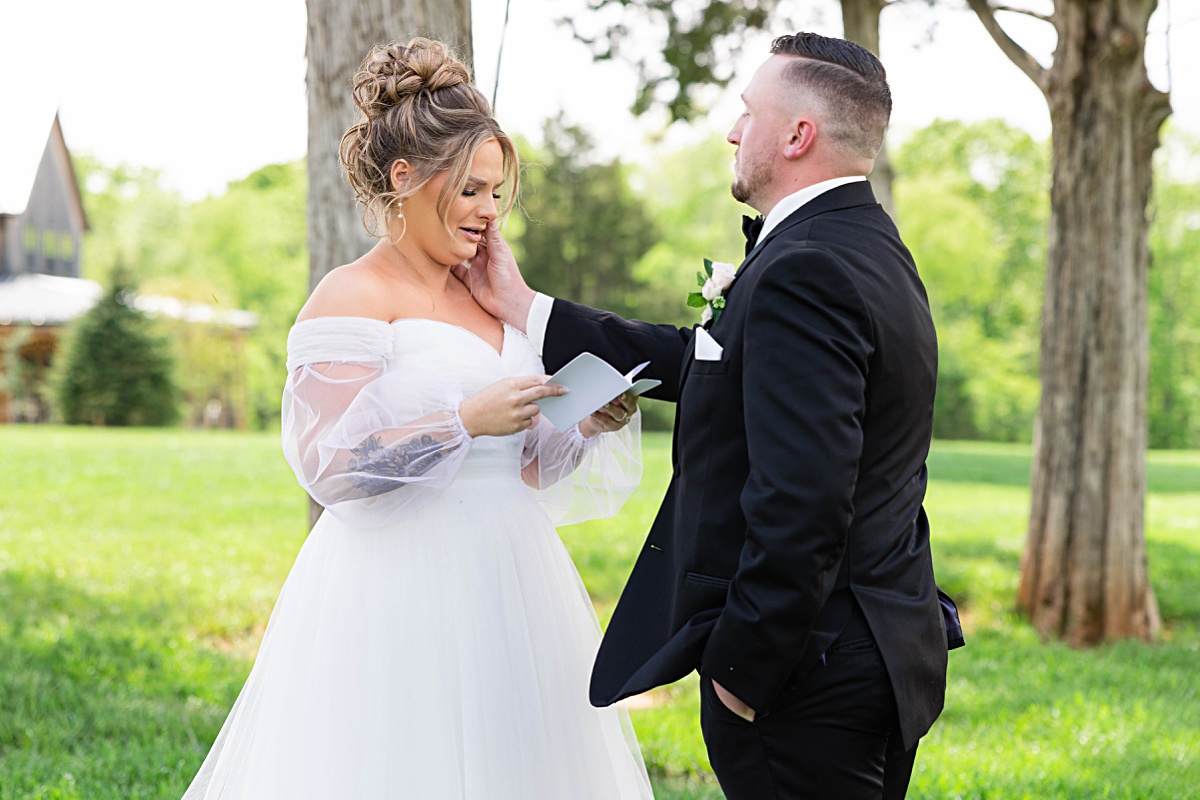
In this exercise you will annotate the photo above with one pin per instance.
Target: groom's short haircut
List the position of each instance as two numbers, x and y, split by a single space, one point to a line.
849 80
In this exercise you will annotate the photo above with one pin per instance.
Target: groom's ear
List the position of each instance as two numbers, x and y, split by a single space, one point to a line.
398 174
801 138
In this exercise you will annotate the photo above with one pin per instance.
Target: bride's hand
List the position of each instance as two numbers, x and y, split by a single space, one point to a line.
495 280
506 406
611 417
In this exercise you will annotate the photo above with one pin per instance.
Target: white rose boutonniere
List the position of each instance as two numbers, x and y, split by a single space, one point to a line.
713 281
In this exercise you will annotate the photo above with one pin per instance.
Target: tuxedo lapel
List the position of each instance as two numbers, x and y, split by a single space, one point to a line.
688 358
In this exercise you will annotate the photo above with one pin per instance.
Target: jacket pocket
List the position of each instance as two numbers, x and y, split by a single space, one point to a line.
698 594
707 580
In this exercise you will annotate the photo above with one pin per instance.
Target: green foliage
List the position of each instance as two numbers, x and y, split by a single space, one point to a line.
697 219
1174 396
135 221
122 648
24 368
248 249
973 208
700 46
244 249
582 232
585 228
115 370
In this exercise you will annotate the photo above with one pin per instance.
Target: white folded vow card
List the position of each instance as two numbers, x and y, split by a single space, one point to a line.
707 348
593 382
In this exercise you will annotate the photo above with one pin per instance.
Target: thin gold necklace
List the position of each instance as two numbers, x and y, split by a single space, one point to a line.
413 268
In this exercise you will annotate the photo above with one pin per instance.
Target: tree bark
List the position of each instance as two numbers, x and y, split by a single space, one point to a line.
340 33
1084 572
860 24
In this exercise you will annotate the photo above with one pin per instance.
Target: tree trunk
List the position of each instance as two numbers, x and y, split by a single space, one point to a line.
340 33
860 24
1084 574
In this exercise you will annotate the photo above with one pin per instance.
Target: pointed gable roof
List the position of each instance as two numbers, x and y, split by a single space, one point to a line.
30 133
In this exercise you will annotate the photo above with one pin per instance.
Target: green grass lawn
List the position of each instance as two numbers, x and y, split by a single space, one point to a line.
138 568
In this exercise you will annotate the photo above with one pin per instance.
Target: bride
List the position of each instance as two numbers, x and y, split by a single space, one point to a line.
433 640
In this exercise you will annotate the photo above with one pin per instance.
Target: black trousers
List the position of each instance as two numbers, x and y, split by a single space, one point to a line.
834 733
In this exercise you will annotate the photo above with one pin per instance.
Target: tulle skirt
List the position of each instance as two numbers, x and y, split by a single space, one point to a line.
443 657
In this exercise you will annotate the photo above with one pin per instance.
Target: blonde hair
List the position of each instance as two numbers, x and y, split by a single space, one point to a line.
418 104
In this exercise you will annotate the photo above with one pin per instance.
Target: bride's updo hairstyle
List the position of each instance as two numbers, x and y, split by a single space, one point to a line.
418 104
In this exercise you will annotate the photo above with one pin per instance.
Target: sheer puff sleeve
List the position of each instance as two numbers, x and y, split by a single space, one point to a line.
366 443
579 479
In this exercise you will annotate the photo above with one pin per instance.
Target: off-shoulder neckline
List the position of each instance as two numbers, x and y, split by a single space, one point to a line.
505 327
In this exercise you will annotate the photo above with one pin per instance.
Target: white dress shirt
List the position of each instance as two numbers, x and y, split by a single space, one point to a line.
539 311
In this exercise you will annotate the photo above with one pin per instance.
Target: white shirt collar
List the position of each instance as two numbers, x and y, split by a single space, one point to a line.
788 205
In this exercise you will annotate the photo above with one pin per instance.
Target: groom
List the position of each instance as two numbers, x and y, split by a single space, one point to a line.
789 563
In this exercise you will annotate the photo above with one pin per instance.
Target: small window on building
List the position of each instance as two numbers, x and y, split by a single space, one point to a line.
66 247
33 240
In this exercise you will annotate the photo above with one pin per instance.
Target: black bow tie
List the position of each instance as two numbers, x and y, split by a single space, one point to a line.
751 227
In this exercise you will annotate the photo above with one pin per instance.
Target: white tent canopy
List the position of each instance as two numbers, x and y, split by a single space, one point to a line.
55 300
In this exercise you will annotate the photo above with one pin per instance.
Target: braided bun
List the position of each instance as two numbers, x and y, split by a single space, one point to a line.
418 104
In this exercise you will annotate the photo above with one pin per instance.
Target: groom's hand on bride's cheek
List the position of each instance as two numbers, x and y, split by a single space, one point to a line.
476 275
495 280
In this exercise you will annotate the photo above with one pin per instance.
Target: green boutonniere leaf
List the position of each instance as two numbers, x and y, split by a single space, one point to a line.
696 300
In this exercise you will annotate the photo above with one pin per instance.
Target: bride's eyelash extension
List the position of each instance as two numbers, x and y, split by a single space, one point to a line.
471 193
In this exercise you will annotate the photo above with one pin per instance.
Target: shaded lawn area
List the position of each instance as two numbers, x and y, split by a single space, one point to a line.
138 569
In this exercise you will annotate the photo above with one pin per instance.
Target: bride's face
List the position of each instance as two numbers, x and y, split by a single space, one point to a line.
468 214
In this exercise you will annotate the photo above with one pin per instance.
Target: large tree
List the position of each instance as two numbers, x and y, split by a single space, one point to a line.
1083 574
340 32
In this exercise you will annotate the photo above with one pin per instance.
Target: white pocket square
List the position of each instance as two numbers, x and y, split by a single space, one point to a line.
707 348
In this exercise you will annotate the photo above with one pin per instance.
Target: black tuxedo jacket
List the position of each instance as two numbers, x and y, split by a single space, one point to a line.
798 469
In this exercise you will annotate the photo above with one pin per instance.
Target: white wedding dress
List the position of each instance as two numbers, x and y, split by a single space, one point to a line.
433 640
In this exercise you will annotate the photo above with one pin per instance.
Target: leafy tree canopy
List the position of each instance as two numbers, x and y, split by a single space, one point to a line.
700 45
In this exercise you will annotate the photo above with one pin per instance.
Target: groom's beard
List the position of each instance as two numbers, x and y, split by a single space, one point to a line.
749 181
